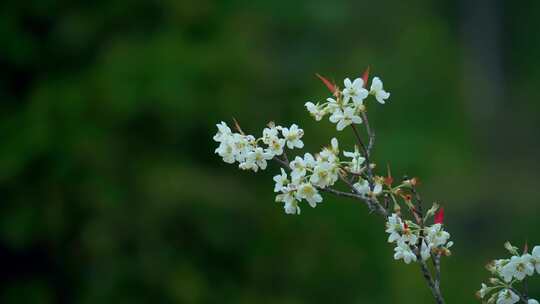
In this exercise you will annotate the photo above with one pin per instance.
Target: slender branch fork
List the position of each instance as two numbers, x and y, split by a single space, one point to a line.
372 202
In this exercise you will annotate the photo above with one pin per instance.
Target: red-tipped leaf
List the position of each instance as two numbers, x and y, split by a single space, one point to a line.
327 83
439 216
365 76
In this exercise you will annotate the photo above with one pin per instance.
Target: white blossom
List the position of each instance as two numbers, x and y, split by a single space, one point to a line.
256 159
298 166
355 91
535 258
315 110
324 174
309 160
270 134
281 181
345 117
377 90
332 105
484 290
223 132
226 151
394 226
292 208
518 267
291 204
506 296
293 136
436 235
242 146
403 251
377 187
356 160
276 145
532 301
362 187
329 154
308 192
425 251
407 235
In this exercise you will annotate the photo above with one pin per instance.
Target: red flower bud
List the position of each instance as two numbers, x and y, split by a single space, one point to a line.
327 83
439 216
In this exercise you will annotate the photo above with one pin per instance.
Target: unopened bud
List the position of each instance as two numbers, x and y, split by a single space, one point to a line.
512 249
397 208
491 267
432 210
361 108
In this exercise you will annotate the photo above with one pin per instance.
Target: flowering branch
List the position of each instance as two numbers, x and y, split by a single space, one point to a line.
304 177
507 273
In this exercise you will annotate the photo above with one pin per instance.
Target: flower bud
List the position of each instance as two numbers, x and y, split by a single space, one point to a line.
491 267
512 249
432 210
397 208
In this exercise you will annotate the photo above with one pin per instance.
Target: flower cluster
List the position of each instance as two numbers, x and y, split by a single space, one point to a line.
345 106
415 241
308 174
509 272
245 149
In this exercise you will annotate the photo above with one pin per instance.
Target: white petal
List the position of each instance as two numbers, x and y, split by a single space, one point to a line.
358 83
341 125
376 84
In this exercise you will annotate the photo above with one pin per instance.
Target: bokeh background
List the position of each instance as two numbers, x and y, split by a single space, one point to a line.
111 193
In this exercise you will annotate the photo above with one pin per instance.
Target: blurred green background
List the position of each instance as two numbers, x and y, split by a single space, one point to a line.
111 193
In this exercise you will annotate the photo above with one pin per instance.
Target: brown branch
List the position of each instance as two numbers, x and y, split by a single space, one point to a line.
437 265
361 142
340 193
370 132
435 291
372 202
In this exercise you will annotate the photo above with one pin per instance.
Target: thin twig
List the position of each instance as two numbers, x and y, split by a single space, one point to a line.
372 202
371 133
361 142
437 264
435 291
340 193
419 205
284 163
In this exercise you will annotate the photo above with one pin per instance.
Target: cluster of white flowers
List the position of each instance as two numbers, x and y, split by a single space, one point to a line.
409 236
345 107
507 272
308 174
245 149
